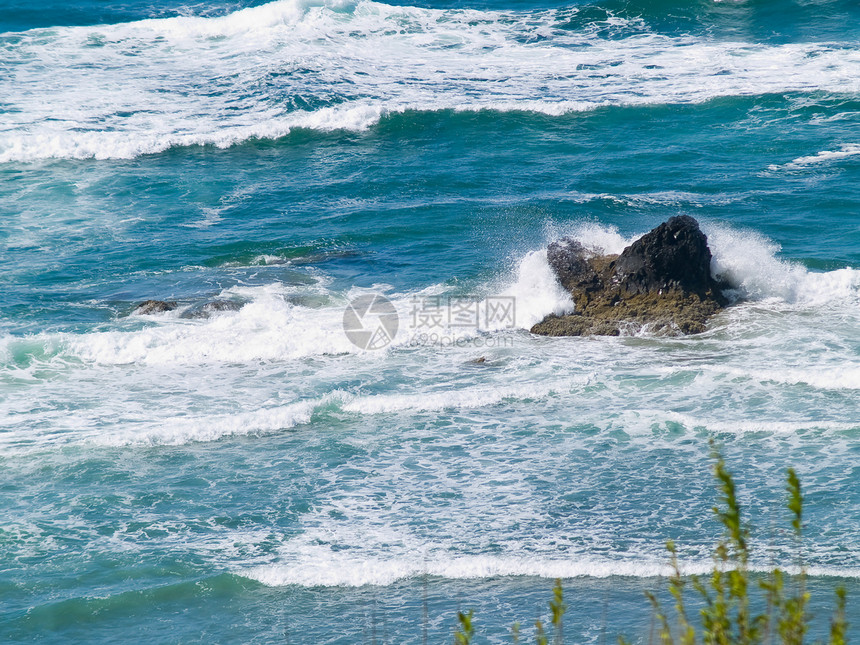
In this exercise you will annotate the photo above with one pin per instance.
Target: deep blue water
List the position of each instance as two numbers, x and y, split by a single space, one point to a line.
251 475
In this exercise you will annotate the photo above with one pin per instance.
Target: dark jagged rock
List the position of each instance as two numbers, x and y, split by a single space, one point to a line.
148 307
675 255
662 282
569 259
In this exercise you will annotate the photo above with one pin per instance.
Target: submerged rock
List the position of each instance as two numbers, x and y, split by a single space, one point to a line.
149 307
198 310
661 282
222 305
206 309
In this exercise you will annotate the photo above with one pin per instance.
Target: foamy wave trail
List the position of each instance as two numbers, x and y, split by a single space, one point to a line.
180 430
272 326
123 90
837 375
269 327
458 399
845 151
338 570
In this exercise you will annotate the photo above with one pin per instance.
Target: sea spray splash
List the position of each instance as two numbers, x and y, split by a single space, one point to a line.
746 260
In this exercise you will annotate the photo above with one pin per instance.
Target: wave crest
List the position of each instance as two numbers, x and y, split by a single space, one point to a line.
119 91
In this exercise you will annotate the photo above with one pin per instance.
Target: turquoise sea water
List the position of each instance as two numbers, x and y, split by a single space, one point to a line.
253 476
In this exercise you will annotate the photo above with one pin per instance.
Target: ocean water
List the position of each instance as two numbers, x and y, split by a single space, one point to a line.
252 476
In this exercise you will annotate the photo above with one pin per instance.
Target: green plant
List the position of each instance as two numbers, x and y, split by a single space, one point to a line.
839 626
540 634
726 617
467 631
557 607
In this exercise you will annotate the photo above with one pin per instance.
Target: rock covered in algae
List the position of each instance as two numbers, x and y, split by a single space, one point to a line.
662 282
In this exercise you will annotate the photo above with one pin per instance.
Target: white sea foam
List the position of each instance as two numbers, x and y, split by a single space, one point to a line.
269 327
748 261
118 91
836 376
180 430
825 156
174 431
601 239
739 426
272 327
458 399
336 569
537 291
154 427
346 570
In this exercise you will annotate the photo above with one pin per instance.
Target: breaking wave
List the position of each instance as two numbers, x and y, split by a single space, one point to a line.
123 90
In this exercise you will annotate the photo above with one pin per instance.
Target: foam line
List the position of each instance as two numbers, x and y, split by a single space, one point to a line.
845 151
350 571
